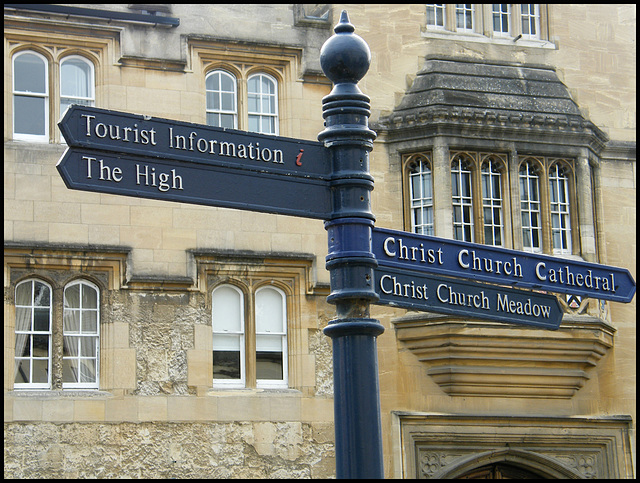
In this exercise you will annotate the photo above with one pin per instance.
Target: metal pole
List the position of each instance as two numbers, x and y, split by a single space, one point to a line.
345 59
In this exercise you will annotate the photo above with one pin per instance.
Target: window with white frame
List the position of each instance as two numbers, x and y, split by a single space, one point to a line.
464 17
77 85
421 195
559 209
73 362
228 336
436 15
34 99
262 91
491 181
30 97
530 207
32 368
477 22
462 199
81 335
225 109
271 337
249 346
221 93
501 20
530 17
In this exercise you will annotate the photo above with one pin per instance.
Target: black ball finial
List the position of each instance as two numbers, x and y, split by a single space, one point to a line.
345 57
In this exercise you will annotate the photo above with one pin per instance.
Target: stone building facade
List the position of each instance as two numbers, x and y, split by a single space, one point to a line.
153 339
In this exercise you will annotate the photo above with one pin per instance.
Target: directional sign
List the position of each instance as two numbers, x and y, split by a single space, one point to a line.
134 155
194 182
500 265
434 293
122 132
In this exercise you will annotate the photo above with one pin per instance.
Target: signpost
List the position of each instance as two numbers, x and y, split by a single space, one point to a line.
500 265
134 155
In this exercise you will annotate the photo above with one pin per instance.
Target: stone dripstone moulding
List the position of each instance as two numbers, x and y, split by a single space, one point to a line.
473 358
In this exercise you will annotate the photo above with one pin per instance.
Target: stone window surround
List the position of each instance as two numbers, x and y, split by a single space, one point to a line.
59 266
291 273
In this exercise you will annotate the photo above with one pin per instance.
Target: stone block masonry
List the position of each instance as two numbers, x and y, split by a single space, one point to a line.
169 450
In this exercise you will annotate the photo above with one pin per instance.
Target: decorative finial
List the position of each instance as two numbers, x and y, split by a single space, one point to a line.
345 57
343 24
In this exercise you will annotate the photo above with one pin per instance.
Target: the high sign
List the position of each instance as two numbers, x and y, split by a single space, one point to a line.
500 265
194 182
434 293
134 155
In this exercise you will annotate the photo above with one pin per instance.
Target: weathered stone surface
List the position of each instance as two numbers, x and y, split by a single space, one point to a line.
168 450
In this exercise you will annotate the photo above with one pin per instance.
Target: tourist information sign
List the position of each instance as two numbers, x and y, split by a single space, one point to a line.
434 293
129 154
397 249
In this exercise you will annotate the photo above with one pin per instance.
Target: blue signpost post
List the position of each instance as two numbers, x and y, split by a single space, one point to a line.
345 59
134 155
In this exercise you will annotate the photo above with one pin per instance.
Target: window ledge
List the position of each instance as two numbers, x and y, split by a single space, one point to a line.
483 39
250 392
57 394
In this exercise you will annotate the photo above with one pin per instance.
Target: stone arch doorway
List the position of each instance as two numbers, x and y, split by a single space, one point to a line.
507 463
500 471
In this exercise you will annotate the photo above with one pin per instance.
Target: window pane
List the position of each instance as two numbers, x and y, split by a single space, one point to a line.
29 115
226 364
224 342
88 346
227 120
269 311
254 123
40 345
23 345
30 74
72 296
227 310
87 370
40 371
22 371
213 82
89 322
41 319
269 365
70 371
89 297
23 293
213 101
76 78
71 321
254 103
228 102
70 346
